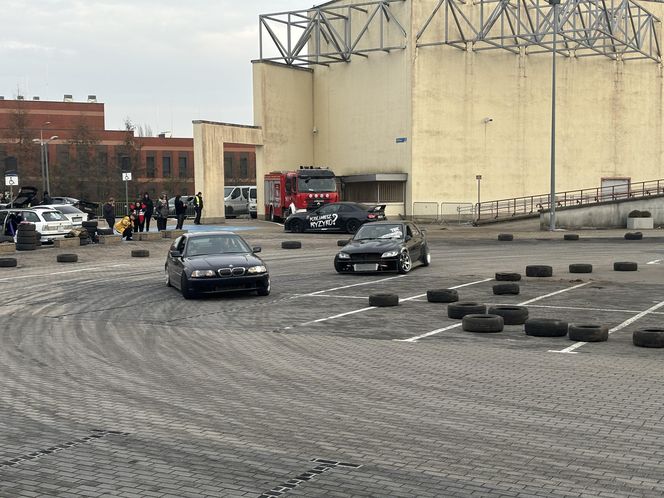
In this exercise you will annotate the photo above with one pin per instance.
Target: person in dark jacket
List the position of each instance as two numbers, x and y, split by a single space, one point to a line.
109 212
198 207
180 211
149 210
46 200
162 212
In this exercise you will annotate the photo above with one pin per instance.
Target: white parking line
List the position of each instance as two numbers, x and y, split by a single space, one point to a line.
603 310
88 268
456 325
349 286
372 307
654 262
624 324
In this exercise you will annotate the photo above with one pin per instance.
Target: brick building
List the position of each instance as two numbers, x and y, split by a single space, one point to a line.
86 160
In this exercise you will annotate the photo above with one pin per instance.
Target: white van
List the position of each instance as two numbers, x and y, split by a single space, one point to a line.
236 200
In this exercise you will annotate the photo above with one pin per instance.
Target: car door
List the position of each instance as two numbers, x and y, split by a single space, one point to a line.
325 219
413 241
245 200
176 264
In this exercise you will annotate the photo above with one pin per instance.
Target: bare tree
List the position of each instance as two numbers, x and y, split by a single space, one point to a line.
21 146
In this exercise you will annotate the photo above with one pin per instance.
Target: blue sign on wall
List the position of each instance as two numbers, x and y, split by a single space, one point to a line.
401 140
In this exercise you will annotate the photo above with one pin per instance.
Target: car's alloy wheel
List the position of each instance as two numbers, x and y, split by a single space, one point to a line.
352 226
405 264
168 278
426 256
184 287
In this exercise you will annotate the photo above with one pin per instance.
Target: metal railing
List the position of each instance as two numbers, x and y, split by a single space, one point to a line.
535 204
443 212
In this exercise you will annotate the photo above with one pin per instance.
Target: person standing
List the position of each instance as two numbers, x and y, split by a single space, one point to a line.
180 211
139 215
46 200
162 212
198 208
109 212
149 210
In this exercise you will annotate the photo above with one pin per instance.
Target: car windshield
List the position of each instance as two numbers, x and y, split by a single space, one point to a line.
308 184
373 231
227 191
216 244
53 216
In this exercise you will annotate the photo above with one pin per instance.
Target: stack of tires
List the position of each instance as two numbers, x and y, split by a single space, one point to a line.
26 237
91 228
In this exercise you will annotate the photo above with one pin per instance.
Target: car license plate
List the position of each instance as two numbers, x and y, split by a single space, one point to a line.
366 266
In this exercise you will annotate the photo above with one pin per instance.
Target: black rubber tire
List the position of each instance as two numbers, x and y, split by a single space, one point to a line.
461 309
84 241
26 247
512 315
588 332
297 226
104 231
508 276
8 262
6 238
571 236
501 289
23 238
264 291
405 264
486 323
253 215
66 258
26 227
140 253
625 266
425 258
383 300
633 236
649 338
291 244
580 268
505 237
90 224
539 271
341 243
184 287
353 225
546 327
442 296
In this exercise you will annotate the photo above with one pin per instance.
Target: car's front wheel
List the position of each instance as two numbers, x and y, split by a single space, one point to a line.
187 293
168 277
352 226
297 226
265 290
426 256
405 263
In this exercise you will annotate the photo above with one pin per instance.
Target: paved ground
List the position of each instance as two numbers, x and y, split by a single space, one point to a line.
112 384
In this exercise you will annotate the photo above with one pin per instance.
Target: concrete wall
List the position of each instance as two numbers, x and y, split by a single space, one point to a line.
283 108
209 139
609 215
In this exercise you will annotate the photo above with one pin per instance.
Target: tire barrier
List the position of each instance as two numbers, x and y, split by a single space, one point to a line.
140 253
512 315
486 323
505 237
442 296
649 338
502 289
545 327
625 266
8 262
341 243
508 276
291 244
588 333
571 236
633 236
67 258
539 271
580 268
461 309
383 300
104 231
26 237
26 247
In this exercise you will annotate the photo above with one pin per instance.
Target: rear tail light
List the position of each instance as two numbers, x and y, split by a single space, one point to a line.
371 216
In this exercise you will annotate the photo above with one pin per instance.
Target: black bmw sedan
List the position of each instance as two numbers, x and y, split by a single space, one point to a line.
210 262
335 217
384 246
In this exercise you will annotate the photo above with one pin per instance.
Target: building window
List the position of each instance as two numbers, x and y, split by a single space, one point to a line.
228 167
150 166
244 166
124 161
182 166
166 166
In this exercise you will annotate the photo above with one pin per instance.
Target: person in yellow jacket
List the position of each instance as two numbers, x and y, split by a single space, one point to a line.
125 226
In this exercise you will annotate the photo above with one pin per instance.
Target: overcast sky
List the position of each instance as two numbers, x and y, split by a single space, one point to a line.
160 63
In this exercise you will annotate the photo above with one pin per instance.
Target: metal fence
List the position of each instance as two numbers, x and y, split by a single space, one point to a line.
120 209
443 212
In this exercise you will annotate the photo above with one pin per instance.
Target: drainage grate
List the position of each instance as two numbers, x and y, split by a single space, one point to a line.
94 434
323 466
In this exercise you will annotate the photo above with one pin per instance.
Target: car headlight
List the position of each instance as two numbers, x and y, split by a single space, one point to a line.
256 269
390 254
202 273
344 255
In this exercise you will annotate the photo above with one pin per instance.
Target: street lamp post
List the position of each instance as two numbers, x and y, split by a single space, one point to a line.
552 203
46 182
479 179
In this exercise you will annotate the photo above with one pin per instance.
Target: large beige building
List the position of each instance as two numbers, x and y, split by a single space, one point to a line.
417 107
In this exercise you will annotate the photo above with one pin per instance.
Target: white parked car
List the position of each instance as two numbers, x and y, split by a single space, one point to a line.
52 224
73 214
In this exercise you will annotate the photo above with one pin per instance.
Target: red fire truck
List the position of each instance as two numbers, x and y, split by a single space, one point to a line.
307 188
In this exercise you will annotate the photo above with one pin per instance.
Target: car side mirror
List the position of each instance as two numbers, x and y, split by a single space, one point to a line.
408 237
175 254
256 249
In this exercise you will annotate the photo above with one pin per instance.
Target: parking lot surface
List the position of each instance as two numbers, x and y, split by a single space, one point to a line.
114 385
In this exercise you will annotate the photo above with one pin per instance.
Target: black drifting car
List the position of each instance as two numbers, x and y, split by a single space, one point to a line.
211 262
335 217
384 246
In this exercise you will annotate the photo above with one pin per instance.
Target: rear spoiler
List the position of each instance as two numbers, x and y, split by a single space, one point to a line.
378 208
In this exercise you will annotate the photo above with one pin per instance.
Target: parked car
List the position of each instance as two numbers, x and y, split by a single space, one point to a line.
73 214
24 198
188 203
384 246
89 208
64 200
336 216
253 203
52 224
211 262
236 200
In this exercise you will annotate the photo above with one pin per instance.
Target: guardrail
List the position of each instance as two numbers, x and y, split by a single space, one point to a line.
534 204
